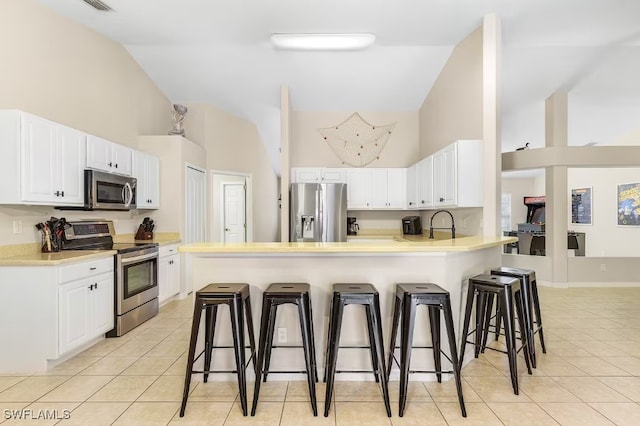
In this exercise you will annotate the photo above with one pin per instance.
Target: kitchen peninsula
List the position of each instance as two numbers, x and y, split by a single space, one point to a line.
446 262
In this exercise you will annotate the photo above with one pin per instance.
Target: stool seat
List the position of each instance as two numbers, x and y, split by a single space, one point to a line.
224 290
355 294
355 289
278 294
287 289
408 297
426 289
237 297
482 289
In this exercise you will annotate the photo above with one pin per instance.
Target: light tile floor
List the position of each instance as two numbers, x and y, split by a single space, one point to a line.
589 376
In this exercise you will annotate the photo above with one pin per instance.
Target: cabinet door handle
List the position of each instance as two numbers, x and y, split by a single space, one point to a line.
93 268
116 165
422 201
110 164
62 193
57 193
95 286
441 199
410 203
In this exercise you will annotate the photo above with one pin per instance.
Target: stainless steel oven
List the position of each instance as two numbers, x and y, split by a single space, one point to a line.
136 288
135 271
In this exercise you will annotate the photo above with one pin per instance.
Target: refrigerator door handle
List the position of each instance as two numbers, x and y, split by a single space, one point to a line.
320 224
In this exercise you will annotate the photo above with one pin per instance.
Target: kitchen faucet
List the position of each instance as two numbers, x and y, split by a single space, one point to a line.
453 225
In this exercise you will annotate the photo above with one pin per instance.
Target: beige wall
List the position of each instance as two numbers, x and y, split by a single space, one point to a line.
453 110
453 107
604 238
233 144
308 149
60 70
173 151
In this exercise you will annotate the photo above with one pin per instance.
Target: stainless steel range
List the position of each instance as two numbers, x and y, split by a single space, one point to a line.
136 271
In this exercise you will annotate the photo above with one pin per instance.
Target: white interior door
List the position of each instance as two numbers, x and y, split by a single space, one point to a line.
234 213
195 205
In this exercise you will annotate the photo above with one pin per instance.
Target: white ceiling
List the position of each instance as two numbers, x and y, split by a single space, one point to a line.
218 52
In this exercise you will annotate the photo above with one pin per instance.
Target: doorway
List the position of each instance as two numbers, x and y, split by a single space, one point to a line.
233 212
231 207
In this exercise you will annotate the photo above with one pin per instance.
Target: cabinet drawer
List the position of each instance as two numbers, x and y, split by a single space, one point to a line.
85 269
167 250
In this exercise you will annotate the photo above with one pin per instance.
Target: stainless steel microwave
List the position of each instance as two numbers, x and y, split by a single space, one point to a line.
106 191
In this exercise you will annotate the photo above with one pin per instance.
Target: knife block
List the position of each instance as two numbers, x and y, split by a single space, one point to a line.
143 235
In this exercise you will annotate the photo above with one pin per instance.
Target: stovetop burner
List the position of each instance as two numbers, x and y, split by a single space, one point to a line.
98 235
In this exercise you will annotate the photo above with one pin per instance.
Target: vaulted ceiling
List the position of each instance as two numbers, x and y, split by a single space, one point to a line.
218 52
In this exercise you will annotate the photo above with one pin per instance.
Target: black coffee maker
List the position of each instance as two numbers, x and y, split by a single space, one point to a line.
352 226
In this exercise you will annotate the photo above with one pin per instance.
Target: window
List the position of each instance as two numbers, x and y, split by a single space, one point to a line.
505 212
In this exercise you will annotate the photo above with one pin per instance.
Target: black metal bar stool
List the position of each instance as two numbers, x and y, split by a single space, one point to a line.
355 294
236 295
507 290
277 294
408 297
531 304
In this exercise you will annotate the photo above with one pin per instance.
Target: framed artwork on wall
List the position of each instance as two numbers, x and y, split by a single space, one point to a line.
629 204
581 206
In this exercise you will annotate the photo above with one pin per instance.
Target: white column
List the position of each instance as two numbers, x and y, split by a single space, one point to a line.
556 113
491 92
285 166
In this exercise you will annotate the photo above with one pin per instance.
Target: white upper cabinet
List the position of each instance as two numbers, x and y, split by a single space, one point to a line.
424 183
359 189
44 161
396 184
457 175
412 187
388 188
318 175
108 156
376 188
146 169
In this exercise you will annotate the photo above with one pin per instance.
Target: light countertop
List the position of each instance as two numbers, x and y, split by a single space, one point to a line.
30 255
161 238
57 258
390 245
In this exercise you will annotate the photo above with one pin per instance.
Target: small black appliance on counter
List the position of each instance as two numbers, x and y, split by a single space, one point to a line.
411 225
352 226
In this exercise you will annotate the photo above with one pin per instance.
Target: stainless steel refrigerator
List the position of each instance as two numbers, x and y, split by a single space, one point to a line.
318 212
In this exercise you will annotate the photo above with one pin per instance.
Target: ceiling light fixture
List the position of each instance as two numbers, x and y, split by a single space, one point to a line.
322 41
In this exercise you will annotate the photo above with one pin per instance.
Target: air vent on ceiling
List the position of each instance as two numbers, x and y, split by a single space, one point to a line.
97 4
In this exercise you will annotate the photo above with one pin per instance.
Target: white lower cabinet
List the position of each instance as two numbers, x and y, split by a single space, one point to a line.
85 310
85 305
50 311
168 272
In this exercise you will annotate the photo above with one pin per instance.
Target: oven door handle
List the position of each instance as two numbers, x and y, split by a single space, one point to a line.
127 260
